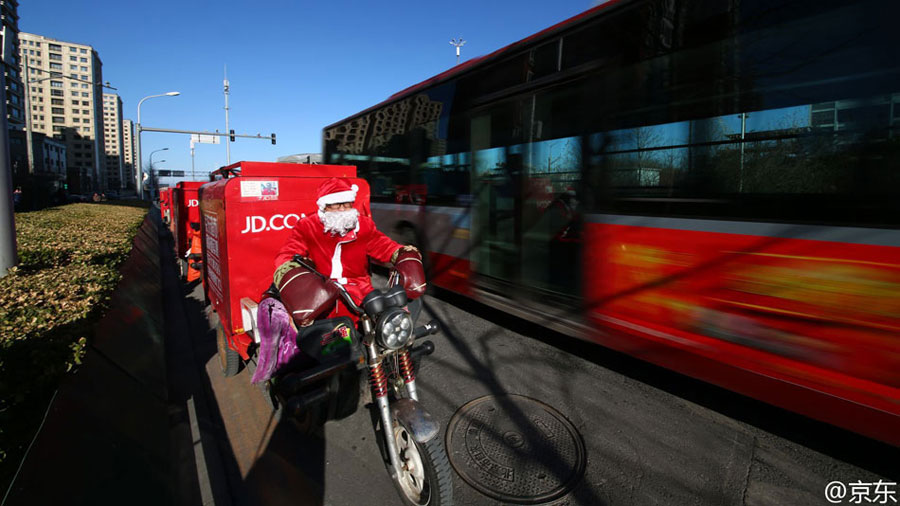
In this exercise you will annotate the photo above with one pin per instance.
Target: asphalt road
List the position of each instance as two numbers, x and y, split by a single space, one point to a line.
649 436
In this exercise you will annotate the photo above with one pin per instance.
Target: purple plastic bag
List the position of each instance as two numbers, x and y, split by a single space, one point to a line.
277 339
287 349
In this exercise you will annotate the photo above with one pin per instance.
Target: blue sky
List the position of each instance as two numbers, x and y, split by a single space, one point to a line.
294 67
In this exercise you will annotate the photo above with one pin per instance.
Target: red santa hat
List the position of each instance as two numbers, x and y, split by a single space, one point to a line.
335 191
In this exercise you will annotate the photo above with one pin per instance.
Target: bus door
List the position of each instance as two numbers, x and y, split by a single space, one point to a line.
526 226
496 183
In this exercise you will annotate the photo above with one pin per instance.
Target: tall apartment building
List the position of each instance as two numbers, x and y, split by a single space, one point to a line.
112 138
128 152
66 104
9 32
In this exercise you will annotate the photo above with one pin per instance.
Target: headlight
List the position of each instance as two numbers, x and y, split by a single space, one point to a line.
394 329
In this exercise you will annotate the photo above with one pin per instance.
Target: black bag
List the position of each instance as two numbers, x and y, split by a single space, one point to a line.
326 339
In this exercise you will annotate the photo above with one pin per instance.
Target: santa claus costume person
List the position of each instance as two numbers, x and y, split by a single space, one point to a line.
339 241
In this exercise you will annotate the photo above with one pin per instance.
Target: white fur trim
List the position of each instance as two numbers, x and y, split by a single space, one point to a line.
338 197
337 268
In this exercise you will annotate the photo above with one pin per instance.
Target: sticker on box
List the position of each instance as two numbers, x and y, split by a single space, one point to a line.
263 190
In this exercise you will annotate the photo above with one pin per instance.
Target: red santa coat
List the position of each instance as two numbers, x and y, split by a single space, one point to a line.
344 258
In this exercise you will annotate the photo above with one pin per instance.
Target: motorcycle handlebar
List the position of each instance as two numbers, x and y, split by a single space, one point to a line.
347 298
429 328
343 291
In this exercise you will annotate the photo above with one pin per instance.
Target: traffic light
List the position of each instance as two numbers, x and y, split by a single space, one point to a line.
232 135
273 139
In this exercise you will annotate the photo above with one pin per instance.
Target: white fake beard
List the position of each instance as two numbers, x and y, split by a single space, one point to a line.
339 222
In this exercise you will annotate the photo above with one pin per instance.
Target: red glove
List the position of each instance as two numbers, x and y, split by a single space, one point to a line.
305 295
408 263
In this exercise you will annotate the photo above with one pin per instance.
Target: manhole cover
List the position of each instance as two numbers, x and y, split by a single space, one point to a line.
515 449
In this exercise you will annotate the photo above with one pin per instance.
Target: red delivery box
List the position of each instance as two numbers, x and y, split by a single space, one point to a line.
185 210
165 205
247 218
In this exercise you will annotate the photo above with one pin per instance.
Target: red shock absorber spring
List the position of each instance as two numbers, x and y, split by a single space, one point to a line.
406 367
378 380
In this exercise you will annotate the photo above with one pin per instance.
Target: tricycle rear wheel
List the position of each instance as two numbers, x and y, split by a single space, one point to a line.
229 359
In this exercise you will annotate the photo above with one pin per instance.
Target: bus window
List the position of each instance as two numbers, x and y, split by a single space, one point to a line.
551 216
495 179
445 179
543 60
789 127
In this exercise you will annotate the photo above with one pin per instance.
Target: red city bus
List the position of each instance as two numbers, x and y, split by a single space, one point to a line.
712 190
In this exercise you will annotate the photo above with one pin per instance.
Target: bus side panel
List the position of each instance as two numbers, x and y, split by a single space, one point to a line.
443 233
451 273
815 314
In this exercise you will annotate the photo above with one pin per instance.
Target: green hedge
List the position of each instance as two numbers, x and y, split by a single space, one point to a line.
68 266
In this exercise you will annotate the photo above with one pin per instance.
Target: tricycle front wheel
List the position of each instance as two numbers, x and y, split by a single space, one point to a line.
425 476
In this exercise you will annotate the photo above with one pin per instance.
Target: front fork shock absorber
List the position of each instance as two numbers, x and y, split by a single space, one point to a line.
408 371
378 380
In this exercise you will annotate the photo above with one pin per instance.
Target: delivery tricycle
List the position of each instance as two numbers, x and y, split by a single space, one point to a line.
247 215
165 205
185 223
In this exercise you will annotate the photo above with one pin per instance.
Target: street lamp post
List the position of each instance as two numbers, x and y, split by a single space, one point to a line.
140 161
8 250
156 151
153 181
227 145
